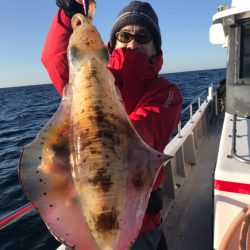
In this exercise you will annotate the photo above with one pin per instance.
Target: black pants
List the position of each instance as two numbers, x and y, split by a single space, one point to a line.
154 239
162 244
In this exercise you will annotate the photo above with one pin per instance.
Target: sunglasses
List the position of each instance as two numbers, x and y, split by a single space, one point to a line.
126 37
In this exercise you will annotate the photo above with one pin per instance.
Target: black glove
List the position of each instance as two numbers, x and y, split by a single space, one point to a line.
70 7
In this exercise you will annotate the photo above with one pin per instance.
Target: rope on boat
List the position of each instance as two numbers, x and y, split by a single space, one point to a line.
240 223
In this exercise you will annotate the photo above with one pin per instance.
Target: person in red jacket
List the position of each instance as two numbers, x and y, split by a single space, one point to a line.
152 103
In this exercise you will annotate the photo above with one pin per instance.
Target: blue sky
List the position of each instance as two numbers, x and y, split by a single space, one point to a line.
184 26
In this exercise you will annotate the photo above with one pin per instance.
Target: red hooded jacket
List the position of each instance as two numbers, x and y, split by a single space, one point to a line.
152 103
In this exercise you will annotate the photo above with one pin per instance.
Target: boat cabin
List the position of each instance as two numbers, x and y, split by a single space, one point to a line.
231 29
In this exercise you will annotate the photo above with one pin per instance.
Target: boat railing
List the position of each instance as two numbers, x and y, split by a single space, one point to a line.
184 147
190 108
234 138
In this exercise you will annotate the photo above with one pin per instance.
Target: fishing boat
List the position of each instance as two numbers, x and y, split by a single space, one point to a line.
207 191
207 188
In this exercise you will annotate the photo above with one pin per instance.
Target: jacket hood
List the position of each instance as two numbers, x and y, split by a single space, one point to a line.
133 72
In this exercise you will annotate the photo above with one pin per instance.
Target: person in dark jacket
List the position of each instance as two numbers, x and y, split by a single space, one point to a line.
153 104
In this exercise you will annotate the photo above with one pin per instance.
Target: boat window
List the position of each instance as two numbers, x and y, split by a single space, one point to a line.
245 50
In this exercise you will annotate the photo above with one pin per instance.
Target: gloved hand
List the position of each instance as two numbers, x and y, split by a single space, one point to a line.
72 7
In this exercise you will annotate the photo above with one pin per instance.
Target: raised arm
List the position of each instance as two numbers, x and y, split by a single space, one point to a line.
54 54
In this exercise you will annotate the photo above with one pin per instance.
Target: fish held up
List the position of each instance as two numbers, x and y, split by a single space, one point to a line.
88 172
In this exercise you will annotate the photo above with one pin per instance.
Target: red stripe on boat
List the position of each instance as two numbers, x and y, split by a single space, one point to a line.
233 187
15 215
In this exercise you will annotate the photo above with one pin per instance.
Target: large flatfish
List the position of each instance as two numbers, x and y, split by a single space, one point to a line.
88 172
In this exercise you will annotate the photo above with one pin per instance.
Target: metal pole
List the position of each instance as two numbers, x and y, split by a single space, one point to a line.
15 215
191 113
199 104
179 129
210 92
216 103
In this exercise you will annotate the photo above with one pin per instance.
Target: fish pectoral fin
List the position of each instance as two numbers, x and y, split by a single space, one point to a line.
45 175
145 164
44 165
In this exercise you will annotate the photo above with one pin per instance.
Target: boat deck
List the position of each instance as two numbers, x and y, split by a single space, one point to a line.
189 221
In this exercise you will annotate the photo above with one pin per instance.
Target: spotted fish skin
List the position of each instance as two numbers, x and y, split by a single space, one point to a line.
98 135
88 172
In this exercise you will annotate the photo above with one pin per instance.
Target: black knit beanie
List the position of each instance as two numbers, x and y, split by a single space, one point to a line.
138 13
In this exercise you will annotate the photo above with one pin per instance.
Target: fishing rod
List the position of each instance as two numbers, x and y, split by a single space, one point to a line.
8 219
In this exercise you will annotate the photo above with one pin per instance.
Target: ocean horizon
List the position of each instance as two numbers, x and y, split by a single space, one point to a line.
161 74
